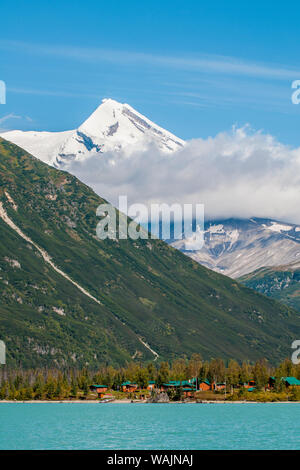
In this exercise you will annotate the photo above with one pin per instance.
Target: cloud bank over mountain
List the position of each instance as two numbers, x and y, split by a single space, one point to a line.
118 151
237 174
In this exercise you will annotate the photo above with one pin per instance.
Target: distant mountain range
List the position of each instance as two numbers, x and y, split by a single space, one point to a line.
263 254
112 127
236 247
69 299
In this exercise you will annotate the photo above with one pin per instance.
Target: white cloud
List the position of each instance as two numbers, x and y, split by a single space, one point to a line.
238 174
66 94
7 117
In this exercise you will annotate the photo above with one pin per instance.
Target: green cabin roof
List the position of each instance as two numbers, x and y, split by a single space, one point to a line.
98 386
291 381
199 381
207 382
178 383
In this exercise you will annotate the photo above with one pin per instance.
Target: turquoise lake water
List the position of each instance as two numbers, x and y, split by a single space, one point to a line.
149 426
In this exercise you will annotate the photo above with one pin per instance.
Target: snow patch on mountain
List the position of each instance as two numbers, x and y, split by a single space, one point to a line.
43 145
275 227
215 229
236 247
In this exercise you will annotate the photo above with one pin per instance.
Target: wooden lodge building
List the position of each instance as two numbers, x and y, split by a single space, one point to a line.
288 381
129 387
250 384
100 389
187 387
291 381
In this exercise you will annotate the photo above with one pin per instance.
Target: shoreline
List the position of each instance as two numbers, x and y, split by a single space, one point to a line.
118 402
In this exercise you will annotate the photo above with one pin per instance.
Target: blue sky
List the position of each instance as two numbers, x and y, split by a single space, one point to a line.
194 67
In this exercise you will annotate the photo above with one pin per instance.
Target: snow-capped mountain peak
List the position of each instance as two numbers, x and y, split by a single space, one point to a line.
122 122
112 127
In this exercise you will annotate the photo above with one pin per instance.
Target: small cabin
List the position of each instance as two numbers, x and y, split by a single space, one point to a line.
129 387
166 386
188 392
291 381
100 389
288 381
151 385
187 386
271 382
250 384
204 385
173 385
219 385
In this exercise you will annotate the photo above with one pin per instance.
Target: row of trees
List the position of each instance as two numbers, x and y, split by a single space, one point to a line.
56 384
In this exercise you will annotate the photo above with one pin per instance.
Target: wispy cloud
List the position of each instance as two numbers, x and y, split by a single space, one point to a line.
8 117
205 63
39 92
11 116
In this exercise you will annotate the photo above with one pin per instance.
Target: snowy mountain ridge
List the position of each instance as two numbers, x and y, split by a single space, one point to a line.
236 247
112 127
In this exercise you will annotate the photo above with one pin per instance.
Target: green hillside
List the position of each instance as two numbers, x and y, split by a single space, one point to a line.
147 290
281 283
